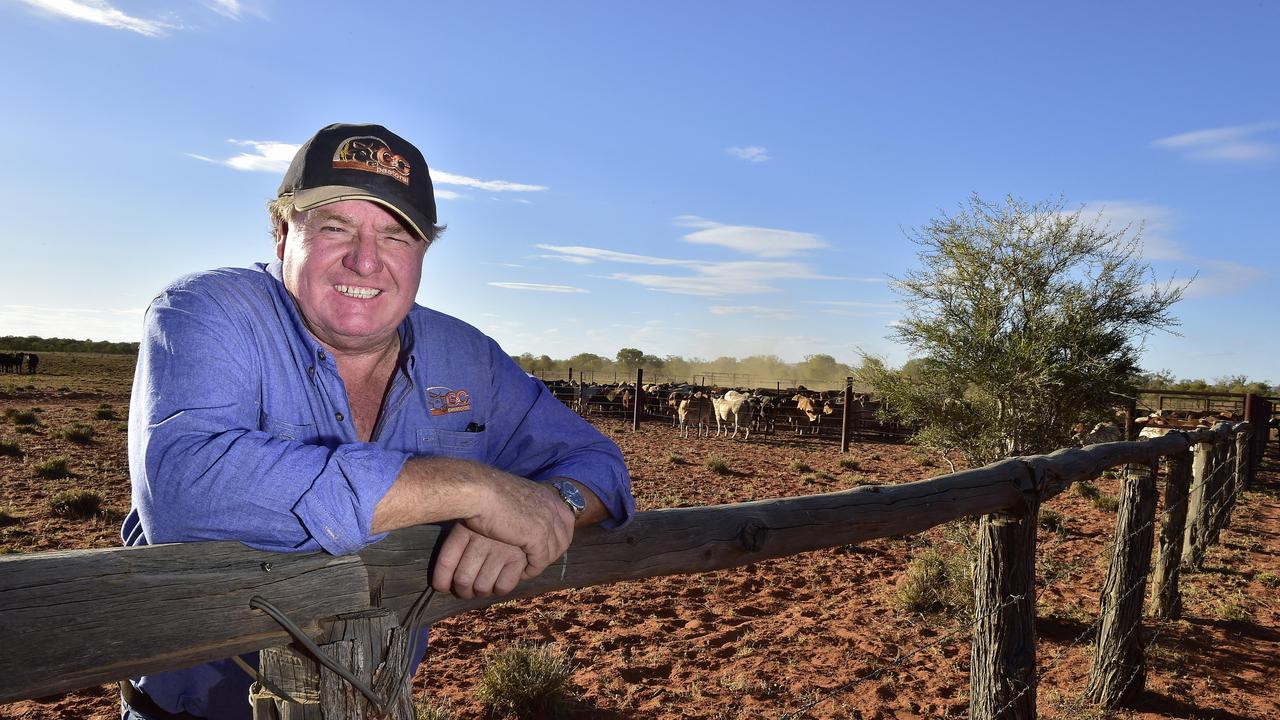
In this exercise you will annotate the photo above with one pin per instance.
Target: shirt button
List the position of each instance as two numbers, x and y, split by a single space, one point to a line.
338 417
320 354
311 371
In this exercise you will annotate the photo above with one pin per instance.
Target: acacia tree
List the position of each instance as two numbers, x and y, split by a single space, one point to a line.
1026 319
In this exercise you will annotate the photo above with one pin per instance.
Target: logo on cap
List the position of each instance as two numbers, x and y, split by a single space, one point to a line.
371 154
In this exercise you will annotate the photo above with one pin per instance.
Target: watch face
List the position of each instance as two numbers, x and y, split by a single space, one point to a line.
571 496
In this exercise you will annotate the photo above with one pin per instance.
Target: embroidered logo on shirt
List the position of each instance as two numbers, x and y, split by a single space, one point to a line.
443 401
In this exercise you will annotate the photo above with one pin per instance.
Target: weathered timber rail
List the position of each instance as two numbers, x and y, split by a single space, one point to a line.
79 618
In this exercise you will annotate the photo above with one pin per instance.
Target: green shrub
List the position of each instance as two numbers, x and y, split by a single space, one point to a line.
104 413
936 582
1052 521
23 417
79 434
10 449
800 466
1110 474
1231 612
52 469
1107 503
525 680
1086 490
76 504
718 466
850 464
1269 579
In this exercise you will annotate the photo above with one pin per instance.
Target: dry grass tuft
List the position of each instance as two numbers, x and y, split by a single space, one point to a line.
76 504
936 583
10 449
525 680
79 434
52 469
718 465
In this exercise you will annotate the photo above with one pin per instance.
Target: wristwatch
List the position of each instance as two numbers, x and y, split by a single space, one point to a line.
571 496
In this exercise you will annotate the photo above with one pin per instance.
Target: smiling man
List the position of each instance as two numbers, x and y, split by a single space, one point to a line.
310 405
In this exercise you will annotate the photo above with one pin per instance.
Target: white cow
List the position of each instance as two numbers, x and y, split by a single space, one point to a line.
733 405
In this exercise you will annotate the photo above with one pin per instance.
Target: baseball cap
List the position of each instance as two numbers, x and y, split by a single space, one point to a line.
363 162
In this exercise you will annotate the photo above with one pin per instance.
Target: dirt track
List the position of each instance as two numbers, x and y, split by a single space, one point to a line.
799 634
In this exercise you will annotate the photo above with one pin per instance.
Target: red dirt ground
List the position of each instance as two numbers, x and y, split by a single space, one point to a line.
811 636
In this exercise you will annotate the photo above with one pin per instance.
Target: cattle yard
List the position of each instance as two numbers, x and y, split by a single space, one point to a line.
819 634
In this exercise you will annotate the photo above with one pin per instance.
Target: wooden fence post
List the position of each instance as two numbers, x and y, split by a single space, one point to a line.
1193 544
638 409
1166 600
1237 469
1223 465
846 420
371 644
1131 414
1119 670
1002 659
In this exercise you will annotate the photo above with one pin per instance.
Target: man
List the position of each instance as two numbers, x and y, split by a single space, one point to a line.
311 405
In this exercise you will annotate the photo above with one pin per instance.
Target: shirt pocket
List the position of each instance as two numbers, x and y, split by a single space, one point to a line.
451 443
283 430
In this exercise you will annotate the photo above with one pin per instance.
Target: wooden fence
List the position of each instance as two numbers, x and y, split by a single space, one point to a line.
62 612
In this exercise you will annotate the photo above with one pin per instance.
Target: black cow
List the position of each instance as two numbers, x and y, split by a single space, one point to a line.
33 361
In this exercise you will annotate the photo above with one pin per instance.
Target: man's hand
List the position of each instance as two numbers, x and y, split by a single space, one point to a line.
472 565
488 504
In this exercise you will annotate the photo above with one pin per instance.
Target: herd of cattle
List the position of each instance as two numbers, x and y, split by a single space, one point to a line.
730 411
14 362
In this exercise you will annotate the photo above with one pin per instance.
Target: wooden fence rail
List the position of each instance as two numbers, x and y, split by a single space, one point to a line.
72 619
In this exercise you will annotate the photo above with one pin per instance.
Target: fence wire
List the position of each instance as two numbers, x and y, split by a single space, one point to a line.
1209 474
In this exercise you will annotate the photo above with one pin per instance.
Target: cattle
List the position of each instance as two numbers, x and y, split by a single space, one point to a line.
736 406
33 361
813 407
1103 432
11 362
694 410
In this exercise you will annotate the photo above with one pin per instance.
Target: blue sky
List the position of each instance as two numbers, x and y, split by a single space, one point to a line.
694 179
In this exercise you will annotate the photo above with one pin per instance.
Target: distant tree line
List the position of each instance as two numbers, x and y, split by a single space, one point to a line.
33 343
1164 380
756 370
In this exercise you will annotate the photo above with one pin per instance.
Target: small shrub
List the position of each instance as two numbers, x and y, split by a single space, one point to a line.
9 413
850 464
1269 579
874 456
10 449
936 582
718 466
1107 503
104 413
800 466
25 430
432 710
676 458
76 504
79 434
1086 490
52 469
525 680
1052 521
1231 612
23 417
7 518
1110 475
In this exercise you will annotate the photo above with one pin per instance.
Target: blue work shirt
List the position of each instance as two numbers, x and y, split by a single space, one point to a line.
240 429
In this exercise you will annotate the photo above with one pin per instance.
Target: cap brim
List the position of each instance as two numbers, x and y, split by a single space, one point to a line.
327 194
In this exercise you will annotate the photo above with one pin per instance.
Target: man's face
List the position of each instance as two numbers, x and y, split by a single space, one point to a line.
354 272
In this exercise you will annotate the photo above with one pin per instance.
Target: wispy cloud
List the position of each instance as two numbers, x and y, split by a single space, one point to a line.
273 156
1224 278
538 287
99 12
756 311
233 9
582 255
440 177
266 156
1237 145
750 153
758 241
1155 221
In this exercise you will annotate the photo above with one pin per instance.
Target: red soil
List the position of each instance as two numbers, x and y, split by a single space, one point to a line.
811 636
